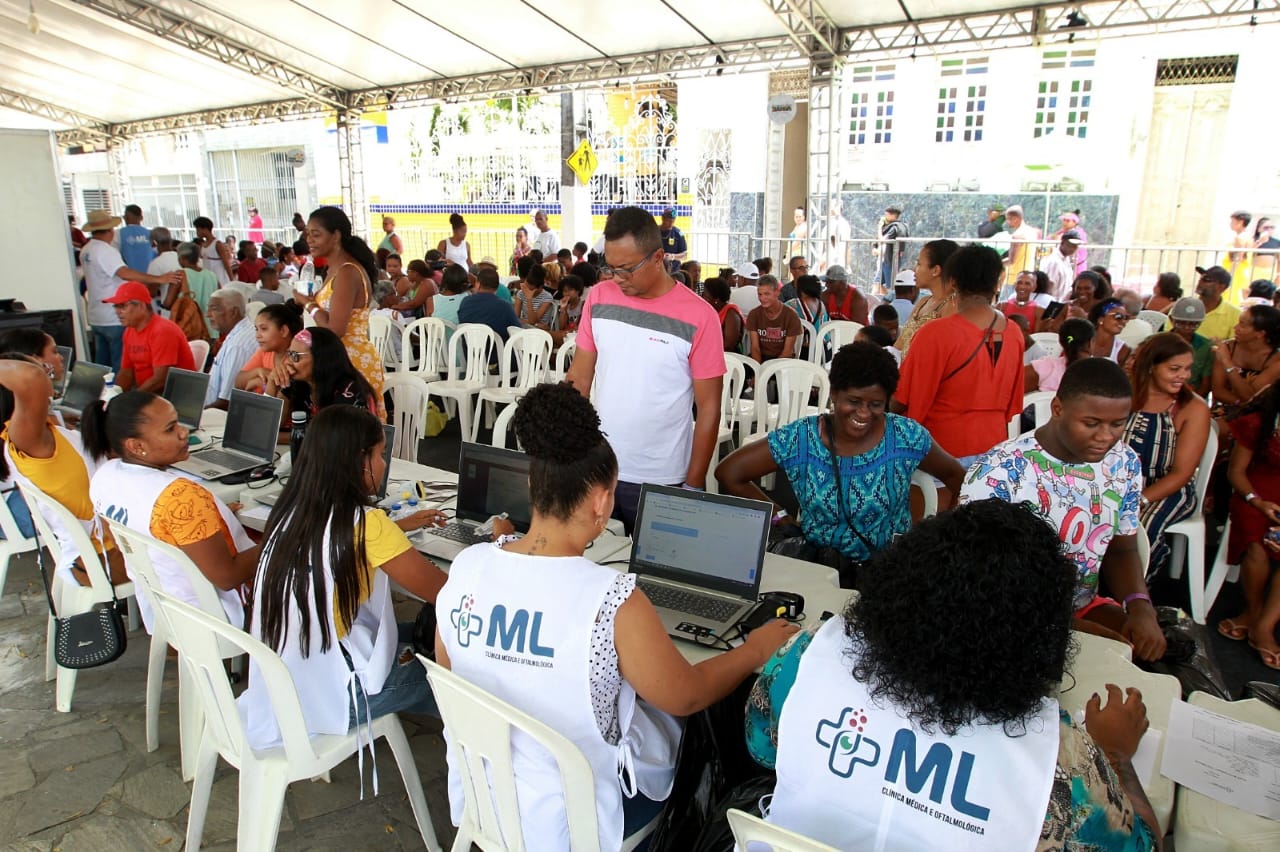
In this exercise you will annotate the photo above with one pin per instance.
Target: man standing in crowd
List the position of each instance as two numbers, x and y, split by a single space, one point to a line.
1187 314
166 262
773 326
1077 474
152 344
843 301
994 223
891 231
104 272
1060 266
547 241
839 233
673 242
135 240
1220 317
654 352
239 342
1022 251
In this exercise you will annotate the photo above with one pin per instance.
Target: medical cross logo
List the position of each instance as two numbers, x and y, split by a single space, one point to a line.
465 621
848 747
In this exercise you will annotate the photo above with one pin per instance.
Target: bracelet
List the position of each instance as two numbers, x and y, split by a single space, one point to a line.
1250 497
1136 596
779 516
312 308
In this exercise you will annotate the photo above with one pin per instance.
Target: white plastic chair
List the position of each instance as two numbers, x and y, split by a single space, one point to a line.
392 347
795 380
751 834
251 310
479 726
837 333
1155 319
379 332
1102 662
1188 538
502 424
14 542
929 491
730 390
809 335
265 774
564 357
526 357
1038 402
199 353
475 343
70 597
423 347
1049 342
409 393
136 548
744 413
1204 823
1136 331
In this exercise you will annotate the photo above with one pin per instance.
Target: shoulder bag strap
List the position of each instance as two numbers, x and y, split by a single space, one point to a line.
986 335
835 472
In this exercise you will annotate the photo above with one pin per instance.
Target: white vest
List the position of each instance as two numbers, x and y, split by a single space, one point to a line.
857 775
68 552
519 627
323 679
127 494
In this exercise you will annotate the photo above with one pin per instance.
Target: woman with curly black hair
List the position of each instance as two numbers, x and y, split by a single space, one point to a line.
851 468
574 643
917 721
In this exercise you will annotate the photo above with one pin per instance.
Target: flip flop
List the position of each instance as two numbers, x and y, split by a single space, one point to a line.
1237 632
1270 659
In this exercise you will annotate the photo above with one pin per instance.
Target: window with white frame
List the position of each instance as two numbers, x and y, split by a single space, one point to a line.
871 104
1065 92
962 100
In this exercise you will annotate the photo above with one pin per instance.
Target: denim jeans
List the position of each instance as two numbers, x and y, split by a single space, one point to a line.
405 690
108 345
21 514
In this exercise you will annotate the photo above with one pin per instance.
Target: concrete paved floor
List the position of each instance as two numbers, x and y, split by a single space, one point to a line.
84 780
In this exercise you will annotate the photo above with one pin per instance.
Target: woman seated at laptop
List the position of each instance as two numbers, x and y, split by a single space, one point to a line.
338 637
137 488
916 673
873 454
274 329
53 459
603 643
316 373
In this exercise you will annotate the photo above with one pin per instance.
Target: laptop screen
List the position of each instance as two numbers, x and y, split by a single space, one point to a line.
710 540
85 384
493 480
186 390
253 424
68 359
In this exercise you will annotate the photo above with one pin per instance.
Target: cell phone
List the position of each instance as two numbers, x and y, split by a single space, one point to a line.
1053 309
1273 536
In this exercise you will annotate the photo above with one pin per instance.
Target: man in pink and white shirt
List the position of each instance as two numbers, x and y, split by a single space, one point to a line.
654 352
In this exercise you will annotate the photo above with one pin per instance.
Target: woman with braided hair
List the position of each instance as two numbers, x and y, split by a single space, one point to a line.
534 622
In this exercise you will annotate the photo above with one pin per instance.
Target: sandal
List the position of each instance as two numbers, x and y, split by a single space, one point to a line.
1230 629
1270 659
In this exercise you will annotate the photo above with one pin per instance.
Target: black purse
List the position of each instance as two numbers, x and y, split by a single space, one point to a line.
92 638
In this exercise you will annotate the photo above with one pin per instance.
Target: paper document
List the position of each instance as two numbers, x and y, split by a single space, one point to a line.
258 511
1229 761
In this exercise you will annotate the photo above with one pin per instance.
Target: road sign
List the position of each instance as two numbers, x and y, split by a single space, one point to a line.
583 162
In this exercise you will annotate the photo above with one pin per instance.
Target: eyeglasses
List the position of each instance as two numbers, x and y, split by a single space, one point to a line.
625 272
295 356
799 266
1118 317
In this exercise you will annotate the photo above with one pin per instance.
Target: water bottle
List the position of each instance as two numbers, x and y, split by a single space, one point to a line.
306 283
296 434
109 389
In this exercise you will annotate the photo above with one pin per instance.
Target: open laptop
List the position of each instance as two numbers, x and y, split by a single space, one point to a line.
84 386
389 436
698 557
248 441
491 480
68 358
186 390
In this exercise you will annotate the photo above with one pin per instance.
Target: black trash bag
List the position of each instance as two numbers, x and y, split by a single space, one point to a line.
716 835
1268 693
713 760
1187 655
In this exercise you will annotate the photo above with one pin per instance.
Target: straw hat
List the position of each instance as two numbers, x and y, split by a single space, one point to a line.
101 220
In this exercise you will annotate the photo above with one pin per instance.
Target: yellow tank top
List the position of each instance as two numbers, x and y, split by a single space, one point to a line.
62 476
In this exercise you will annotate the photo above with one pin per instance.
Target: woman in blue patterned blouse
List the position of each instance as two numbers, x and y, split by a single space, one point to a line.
860 510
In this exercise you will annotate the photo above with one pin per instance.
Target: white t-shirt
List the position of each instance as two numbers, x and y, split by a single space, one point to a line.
101 261
547 242
1086 503
163 265
746 298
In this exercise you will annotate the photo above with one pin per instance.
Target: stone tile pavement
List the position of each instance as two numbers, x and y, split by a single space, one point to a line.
84 780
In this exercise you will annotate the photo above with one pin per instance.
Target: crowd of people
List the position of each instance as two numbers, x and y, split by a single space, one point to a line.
927 391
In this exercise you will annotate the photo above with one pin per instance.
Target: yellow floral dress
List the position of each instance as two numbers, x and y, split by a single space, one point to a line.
360 349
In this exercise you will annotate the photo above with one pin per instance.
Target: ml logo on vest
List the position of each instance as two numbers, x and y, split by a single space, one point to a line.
847 748
514 631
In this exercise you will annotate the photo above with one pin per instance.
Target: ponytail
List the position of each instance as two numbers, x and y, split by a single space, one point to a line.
93 430
364 255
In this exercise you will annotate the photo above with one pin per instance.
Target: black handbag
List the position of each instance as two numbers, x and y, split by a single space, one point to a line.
89 639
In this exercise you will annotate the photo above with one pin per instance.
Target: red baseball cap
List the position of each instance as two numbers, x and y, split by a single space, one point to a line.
130 291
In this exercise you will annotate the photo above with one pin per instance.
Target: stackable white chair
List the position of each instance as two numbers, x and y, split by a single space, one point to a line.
380 333
14 542
730 391
467 370
1048 341
1189 538
752 834
795 380
1136 331
480 726
837 333
1204 823
564 357
393 346
70 597
525 361
199 352
251 310
265 774
744 409
501 427
809 335
1039 402
929 491
1155 319
409 392
423 347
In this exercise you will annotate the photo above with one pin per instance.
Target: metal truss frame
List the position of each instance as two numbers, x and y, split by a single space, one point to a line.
809 32
87 128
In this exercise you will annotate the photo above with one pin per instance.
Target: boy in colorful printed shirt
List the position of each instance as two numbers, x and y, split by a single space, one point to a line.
1075 473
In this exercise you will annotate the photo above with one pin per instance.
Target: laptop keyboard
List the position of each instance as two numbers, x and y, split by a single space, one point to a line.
693 603
221 458
460 533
